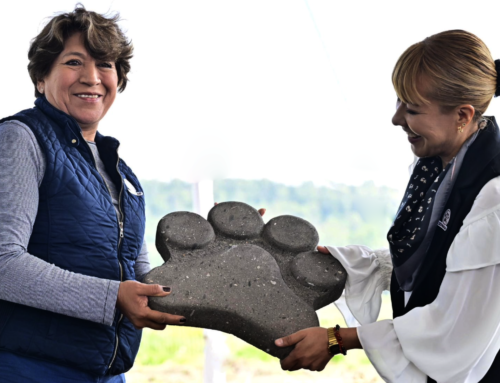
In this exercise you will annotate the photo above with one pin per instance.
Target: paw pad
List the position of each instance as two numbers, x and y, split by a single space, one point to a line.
235 274
183 231
291 233
236 220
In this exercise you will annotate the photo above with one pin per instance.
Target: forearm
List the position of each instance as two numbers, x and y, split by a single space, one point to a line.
383 348
350 338
27 280
142 265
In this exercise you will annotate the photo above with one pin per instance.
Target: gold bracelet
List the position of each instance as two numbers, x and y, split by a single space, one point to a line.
332 341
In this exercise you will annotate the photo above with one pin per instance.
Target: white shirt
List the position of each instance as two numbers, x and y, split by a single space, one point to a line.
456 337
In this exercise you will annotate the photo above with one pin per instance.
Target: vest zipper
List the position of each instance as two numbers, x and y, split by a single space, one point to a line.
120 224
117 338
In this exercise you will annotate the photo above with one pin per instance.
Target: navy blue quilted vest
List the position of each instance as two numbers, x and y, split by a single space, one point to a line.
77 229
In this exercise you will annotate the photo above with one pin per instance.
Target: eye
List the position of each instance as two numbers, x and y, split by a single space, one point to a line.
72 62
105 65
412 112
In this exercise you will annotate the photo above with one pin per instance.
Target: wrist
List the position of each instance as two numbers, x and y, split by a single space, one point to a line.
332 344
335 341
350 338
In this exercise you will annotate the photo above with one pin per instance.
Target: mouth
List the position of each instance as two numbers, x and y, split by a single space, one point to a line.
411 134
88 96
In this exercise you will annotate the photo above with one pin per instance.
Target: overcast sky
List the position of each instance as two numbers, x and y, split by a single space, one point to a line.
289 90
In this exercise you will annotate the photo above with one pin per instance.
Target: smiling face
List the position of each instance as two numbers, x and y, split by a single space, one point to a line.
433 132
430 132
81 86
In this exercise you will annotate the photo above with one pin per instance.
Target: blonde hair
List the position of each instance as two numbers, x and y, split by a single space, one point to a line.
458 67
102 37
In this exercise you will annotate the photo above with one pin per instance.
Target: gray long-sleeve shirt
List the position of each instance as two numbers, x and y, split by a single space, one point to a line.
24 278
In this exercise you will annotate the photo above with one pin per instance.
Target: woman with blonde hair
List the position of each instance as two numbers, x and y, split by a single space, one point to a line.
443 262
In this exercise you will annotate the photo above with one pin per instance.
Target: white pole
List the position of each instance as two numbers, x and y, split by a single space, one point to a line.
216 349
203 197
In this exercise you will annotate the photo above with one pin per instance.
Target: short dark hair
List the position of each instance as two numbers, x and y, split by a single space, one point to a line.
102 37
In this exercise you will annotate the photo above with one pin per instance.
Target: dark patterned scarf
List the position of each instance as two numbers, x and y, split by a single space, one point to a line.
412 220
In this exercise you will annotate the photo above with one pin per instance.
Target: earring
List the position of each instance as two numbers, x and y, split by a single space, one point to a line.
461 128
41 90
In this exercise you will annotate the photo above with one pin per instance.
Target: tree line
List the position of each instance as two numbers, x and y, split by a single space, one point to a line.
342 214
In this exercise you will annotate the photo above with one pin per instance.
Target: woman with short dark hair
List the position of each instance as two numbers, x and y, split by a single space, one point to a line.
72 216
443 262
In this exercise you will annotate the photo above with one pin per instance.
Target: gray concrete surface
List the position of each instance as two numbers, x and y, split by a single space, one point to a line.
234 274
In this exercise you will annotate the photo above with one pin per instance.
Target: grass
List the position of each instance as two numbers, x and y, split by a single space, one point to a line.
181 345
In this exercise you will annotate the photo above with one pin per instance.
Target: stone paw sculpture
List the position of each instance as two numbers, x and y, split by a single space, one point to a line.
235 274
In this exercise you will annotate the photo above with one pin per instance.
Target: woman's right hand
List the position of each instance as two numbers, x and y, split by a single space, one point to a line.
261 211
133 303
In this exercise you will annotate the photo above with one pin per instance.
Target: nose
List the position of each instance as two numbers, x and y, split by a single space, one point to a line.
399 116
90 75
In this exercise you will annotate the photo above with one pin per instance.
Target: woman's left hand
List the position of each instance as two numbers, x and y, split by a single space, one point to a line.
132 300
310 352
323 250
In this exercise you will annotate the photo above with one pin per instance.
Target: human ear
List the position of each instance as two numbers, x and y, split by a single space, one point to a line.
40 86
465 114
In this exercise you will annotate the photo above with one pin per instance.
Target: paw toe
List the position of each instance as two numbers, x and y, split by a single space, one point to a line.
236 220
317 271
291 233
183 231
